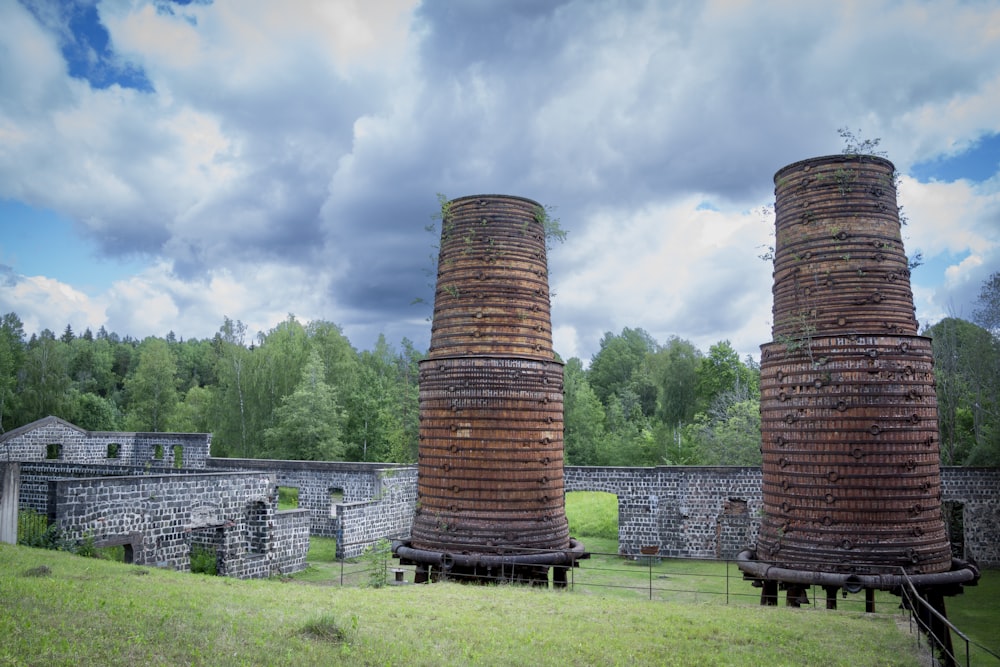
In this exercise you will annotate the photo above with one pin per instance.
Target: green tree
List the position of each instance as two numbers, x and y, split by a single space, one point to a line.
722 371
967 381
308 421
151 389
728 434
629 440
45 385
381 408
987 314
11 360
195 364
282 353
339 357
91 366
583 420
194 412
233 370
674 369
613 367
93 412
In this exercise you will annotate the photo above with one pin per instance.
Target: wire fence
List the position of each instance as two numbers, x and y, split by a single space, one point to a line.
654 578
645 576
945 642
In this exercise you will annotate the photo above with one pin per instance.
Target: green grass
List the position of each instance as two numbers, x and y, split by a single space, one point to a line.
86 611
288 498
592 514
976 612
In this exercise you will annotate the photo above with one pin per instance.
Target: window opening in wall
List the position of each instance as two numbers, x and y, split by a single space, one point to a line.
954 520
114 553
258 528
593 519
158 452
735 506
53 451
178 456
114 450
288 498
205 546
336 497
116 548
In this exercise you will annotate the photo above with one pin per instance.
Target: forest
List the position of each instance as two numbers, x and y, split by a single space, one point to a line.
302 391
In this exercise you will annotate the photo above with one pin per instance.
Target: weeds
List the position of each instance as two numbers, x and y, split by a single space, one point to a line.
377 558
327 629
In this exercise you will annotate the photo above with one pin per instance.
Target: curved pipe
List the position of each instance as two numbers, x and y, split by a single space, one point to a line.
961 573
446 560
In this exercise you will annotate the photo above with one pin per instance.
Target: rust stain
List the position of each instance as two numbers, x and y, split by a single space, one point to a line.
851 477
490 467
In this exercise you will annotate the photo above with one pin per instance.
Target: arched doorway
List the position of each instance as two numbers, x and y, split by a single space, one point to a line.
593 519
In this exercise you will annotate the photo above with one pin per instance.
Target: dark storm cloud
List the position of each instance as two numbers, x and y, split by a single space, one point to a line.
277 146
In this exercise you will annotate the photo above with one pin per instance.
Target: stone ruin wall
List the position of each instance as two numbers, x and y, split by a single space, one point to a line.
76 445
356 503
691 512
159 517
714 512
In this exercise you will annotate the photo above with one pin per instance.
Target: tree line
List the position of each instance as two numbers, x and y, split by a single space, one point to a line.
302 391
298 391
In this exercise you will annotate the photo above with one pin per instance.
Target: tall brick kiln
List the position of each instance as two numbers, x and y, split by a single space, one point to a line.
490 502
851 478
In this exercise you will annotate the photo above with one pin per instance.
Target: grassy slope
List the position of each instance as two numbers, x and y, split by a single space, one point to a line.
976 612
86 611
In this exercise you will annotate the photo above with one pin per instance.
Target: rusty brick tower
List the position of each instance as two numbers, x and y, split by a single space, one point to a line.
490 501
851 476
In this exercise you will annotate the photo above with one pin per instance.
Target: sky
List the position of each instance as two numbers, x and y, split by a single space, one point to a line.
164 165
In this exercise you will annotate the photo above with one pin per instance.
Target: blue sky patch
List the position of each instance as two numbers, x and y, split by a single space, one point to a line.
38 242
86 47
979 163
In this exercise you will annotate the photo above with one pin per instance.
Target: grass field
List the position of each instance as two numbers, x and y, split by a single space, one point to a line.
594 518
60 609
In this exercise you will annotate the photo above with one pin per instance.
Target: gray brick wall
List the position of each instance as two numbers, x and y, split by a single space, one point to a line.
714 512
357 503
40 439
161 516
695 512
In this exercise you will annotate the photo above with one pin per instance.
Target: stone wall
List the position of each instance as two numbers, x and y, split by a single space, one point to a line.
692 512
54 439
357 503
35 477
686 512
387 515
714 512
159 517
977 490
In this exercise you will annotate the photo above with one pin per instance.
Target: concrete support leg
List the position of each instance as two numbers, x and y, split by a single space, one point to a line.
831 596
769 593
10 485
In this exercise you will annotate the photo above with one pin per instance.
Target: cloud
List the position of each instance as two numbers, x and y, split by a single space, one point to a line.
958 224
40 302
673 270
288 158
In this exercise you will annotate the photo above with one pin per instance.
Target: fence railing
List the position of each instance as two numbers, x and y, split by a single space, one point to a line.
696 580
31 527
948 644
